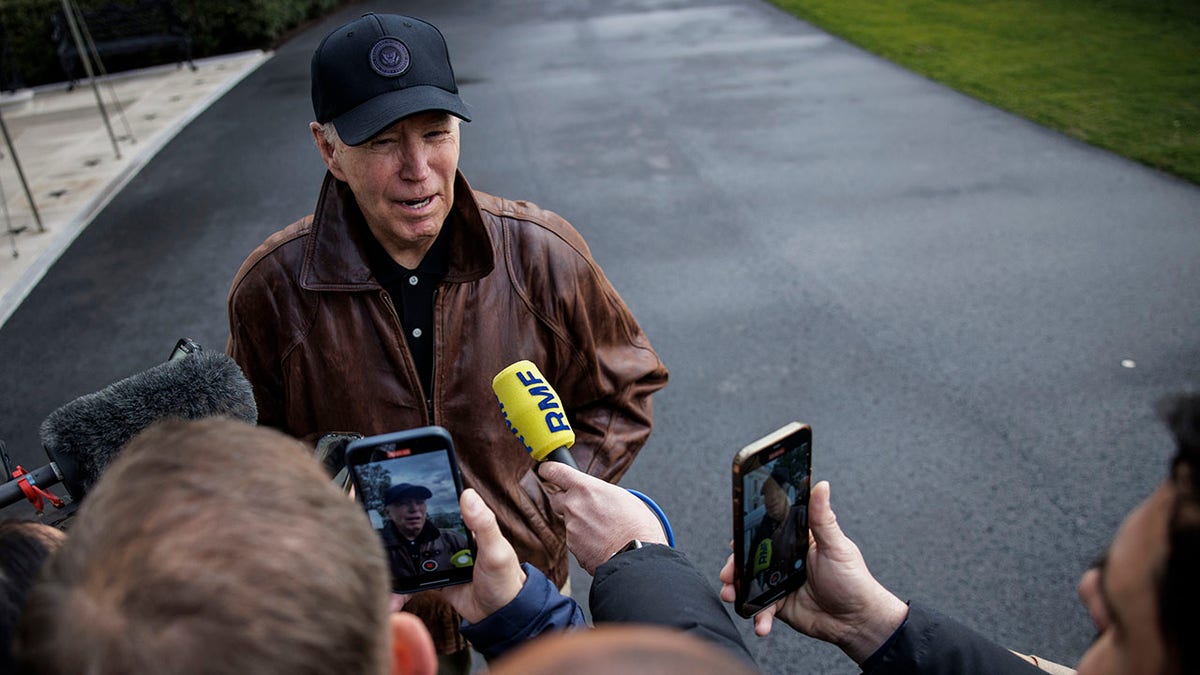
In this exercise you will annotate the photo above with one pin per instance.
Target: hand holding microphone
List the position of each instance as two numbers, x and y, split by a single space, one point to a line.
597 512
601 518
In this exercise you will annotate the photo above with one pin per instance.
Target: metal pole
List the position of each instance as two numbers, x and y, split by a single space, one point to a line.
87 37
21 174
69 10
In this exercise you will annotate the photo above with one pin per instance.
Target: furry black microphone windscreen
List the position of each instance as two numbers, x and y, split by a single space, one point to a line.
83 436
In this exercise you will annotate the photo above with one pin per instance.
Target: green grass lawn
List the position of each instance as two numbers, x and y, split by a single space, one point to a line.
1120 74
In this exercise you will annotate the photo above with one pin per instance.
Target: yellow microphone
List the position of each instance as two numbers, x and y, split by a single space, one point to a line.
534 413
762 557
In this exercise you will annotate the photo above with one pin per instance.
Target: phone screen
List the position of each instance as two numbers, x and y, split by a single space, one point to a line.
771 483
409 485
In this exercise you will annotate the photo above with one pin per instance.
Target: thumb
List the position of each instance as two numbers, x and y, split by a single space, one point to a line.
479 518
822 521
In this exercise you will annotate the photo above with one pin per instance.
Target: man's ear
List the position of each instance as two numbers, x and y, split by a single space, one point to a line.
327 151
412 646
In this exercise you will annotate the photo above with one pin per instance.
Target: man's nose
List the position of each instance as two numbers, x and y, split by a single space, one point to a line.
414 162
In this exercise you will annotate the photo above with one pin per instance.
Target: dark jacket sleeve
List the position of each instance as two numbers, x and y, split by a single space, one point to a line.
929 643
659 585
538 608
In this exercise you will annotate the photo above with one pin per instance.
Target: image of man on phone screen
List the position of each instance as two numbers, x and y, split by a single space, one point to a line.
414 544
779 541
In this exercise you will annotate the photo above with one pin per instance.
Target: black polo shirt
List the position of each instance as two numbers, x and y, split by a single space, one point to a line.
413 292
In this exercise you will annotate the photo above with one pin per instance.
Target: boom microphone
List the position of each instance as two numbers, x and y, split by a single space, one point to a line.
84 436
534 413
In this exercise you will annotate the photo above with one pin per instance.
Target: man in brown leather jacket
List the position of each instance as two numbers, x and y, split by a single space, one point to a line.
414 544
398 300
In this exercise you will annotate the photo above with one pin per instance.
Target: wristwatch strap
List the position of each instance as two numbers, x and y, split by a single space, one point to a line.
633 545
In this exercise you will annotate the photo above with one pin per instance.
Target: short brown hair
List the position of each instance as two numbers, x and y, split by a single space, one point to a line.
24 546
212 547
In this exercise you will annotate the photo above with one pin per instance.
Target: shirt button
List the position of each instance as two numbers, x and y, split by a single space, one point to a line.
412 281
416 332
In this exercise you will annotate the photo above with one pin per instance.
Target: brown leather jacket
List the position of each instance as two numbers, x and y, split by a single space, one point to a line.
321 344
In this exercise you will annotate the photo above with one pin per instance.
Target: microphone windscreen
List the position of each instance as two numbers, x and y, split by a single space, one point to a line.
83 436
762 557
532 409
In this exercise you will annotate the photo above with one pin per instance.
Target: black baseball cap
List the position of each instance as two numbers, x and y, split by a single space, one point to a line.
379 69
398 492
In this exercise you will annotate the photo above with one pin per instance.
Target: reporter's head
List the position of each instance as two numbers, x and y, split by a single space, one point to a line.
24 546
613 648
217 547
1144 597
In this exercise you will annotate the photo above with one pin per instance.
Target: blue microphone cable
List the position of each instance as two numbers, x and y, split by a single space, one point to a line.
662 517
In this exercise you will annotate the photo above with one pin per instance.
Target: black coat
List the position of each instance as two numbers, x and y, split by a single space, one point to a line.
659 585
932 644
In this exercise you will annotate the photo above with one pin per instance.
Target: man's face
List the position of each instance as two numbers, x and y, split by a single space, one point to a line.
1123 597
775 498
403 180
408 514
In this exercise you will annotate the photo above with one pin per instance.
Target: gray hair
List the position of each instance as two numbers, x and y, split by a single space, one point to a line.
330 133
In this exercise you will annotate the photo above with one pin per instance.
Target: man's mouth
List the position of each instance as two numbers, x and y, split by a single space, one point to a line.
416 203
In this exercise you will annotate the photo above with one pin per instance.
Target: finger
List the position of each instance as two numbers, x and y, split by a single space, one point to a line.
558 500
559 475
763 621
726 574
822 521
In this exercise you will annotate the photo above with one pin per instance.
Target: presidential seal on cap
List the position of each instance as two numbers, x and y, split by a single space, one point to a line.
378 69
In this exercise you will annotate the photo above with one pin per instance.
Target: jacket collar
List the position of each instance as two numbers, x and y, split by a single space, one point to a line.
335 258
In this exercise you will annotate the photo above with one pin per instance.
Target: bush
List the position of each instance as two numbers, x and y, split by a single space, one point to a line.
29 57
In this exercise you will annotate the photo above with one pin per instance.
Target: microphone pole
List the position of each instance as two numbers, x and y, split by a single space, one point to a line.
27 485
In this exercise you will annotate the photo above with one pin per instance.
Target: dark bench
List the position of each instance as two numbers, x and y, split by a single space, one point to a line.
119 29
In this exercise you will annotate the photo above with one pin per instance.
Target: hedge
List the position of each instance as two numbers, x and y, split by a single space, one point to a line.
216 26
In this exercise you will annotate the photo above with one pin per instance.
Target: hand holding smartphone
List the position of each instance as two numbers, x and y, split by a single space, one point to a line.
771 480
409 484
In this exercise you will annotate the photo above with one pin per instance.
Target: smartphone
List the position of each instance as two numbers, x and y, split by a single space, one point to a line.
184 347
771 482
408 483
